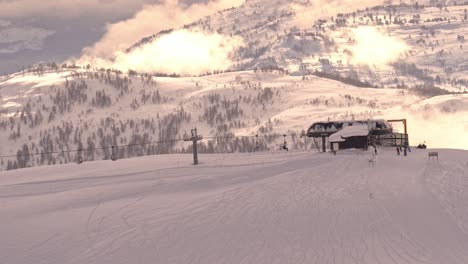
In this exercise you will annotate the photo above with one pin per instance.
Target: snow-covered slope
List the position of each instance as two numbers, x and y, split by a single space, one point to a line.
65 110
308 36
240 208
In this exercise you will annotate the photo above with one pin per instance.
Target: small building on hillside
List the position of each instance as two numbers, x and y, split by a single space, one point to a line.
357 134
350 137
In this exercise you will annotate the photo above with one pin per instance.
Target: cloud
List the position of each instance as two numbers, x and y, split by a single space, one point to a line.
4 23
374 48
182 51
441 122
150 20
13 40
67 8
439 129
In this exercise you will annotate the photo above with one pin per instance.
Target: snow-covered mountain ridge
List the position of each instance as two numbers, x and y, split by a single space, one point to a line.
297 66
304 37
70 109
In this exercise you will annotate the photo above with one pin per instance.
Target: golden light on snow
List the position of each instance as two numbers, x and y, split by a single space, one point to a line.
182 52
375 48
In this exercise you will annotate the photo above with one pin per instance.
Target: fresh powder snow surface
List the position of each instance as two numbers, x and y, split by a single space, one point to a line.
295 207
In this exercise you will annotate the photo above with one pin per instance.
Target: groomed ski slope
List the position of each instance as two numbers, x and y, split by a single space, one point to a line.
240 208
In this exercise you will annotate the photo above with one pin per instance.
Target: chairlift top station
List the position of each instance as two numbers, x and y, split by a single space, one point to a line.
358 133
328 128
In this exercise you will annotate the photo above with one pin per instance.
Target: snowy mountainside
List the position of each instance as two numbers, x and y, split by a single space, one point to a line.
433 33
65 109
243 208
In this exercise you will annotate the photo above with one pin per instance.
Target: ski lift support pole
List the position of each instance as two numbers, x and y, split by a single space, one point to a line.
195 138
324 142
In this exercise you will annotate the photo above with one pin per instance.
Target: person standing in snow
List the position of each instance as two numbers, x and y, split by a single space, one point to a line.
407 147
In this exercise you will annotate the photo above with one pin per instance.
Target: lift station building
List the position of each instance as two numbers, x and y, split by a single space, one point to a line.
357 134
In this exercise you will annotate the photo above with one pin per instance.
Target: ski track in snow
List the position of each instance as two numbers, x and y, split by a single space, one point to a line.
240 208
